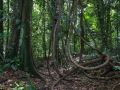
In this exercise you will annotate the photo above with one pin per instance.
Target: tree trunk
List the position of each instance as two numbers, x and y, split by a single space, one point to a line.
15 30
82 30
27 47
1 27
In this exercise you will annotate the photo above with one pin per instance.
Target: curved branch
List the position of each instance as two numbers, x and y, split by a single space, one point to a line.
101 78
72 71
90 68
106 58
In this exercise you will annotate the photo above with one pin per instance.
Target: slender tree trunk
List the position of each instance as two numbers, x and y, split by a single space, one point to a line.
8 22
44 33
108 26
82 29
56 28
15 30
1 27
100 11
55 37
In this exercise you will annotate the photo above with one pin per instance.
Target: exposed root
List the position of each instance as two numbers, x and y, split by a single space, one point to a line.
116 87
101 78
90 68
60 79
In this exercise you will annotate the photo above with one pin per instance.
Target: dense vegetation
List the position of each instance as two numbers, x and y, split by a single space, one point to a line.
60 37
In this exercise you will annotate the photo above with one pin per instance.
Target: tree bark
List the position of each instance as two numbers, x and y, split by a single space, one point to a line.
1 27
15 30
27 47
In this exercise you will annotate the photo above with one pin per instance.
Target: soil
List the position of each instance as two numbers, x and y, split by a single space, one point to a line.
11 79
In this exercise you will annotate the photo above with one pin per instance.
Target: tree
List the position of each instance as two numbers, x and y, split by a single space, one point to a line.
1 27
15 30
27 47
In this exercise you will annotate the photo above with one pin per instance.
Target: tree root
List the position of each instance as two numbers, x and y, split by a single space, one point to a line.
60 79
101 77
91 68
116 87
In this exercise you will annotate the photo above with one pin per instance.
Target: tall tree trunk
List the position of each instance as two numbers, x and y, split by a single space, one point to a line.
1 27
8 22
44 32
108 26
82 29
56 29
100 11
55 38
15 30
27 47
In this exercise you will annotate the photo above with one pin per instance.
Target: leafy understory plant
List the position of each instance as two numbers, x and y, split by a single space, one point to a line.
22 86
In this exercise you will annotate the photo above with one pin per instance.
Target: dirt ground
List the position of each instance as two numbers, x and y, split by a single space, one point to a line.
11 79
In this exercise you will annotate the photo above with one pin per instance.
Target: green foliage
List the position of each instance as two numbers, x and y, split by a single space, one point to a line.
19 86
43 18
13 64
101 22
31 86
116 68
22 86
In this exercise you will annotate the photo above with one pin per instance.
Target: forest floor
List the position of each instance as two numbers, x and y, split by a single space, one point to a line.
16 80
